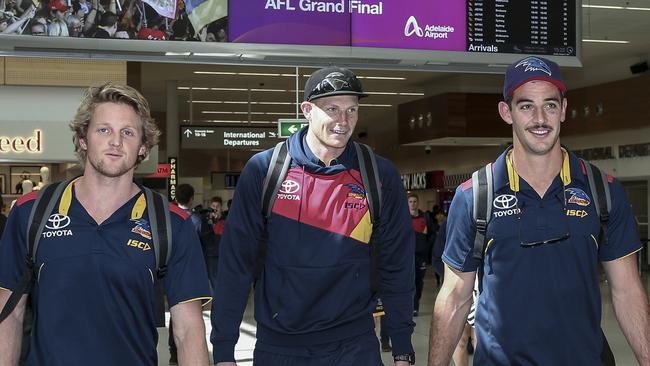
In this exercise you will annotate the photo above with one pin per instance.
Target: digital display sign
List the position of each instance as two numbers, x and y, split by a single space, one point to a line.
545 27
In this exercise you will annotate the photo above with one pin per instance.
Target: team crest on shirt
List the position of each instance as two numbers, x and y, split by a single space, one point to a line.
578 196
358 194
356 191
142 228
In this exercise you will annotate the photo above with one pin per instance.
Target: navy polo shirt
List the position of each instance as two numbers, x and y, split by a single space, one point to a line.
94 291
540 305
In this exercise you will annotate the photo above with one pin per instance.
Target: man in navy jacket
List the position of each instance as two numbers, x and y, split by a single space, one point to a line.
313 302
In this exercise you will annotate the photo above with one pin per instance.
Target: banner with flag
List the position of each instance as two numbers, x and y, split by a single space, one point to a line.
166 8
204 12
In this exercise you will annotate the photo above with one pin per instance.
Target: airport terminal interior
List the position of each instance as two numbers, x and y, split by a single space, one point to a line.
435 118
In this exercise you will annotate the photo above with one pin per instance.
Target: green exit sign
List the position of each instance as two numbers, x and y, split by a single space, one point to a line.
287 127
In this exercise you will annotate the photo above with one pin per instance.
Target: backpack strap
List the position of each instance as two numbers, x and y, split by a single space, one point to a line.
482 193
41 211
161 231
599 187
370 179
277 170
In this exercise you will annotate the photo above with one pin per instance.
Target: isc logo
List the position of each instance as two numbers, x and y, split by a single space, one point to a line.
138 244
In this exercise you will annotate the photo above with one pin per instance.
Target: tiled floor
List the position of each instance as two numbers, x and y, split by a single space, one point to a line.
244 349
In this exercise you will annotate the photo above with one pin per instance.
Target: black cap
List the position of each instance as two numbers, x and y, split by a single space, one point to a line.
330 81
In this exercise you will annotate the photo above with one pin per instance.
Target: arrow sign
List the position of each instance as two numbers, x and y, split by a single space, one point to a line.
187 133
287 127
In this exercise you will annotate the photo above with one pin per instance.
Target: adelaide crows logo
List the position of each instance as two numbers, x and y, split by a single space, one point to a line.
578 196
356 191
143 228
534 64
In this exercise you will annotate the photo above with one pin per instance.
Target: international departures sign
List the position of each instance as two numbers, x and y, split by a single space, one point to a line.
241 138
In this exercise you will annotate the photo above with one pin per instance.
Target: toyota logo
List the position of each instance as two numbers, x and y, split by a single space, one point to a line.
505 202
56 222
289 186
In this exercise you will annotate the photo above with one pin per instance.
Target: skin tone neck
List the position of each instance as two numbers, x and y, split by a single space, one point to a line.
536 113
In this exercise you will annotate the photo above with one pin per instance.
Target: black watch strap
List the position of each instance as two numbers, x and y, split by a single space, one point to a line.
410 357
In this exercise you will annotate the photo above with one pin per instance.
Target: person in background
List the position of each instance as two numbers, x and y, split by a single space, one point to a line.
419 225
216 224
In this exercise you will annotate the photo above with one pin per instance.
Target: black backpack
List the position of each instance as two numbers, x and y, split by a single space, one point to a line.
275 174
44 205
483 192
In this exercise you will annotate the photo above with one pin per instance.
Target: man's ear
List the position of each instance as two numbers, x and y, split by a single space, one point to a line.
504 112
306 108
82 143
142 150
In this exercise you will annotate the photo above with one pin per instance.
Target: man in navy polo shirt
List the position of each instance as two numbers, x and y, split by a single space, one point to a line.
540 300
95 263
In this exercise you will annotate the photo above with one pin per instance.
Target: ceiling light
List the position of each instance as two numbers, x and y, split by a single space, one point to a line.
237 102
374 77
177 53
391 93
243 73
610 7
213 54
375 105
604 41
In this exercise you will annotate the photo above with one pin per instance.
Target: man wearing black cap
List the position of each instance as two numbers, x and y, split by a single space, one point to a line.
540 300
313 302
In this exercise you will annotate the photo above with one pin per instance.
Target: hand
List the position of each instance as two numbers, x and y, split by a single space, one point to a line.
402 363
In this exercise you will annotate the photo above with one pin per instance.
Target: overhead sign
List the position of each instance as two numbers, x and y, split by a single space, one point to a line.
287 127
241 138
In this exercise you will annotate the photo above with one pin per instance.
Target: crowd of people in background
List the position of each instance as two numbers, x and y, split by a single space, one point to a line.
123 19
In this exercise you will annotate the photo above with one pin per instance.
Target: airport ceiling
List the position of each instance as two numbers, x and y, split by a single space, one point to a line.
210 94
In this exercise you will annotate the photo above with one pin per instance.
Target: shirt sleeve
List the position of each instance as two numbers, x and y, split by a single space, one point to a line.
622 234
238 251
397 260
461 231
13 248
186 278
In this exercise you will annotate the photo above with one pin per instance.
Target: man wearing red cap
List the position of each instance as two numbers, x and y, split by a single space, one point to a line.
540 302
57 27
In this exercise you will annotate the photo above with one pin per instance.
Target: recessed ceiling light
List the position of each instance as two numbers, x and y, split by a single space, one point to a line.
611 7
604 41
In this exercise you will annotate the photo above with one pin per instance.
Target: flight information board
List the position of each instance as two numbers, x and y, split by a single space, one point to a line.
546 27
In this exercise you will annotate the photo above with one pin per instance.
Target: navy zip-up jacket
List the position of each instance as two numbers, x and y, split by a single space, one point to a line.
315 287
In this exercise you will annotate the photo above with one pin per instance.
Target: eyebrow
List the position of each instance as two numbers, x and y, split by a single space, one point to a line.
526 100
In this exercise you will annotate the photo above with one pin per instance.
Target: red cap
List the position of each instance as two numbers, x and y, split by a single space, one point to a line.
59 5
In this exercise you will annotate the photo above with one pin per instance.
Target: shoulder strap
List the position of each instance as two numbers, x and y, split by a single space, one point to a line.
41 211
277 170
482 193
599 187
161 232
370 180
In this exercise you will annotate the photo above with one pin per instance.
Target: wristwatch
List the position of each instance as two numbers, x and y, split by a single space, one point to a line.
410 357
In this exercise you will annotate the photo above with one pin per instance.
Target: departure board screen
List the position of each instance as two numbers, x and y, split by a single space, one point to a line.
545 27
